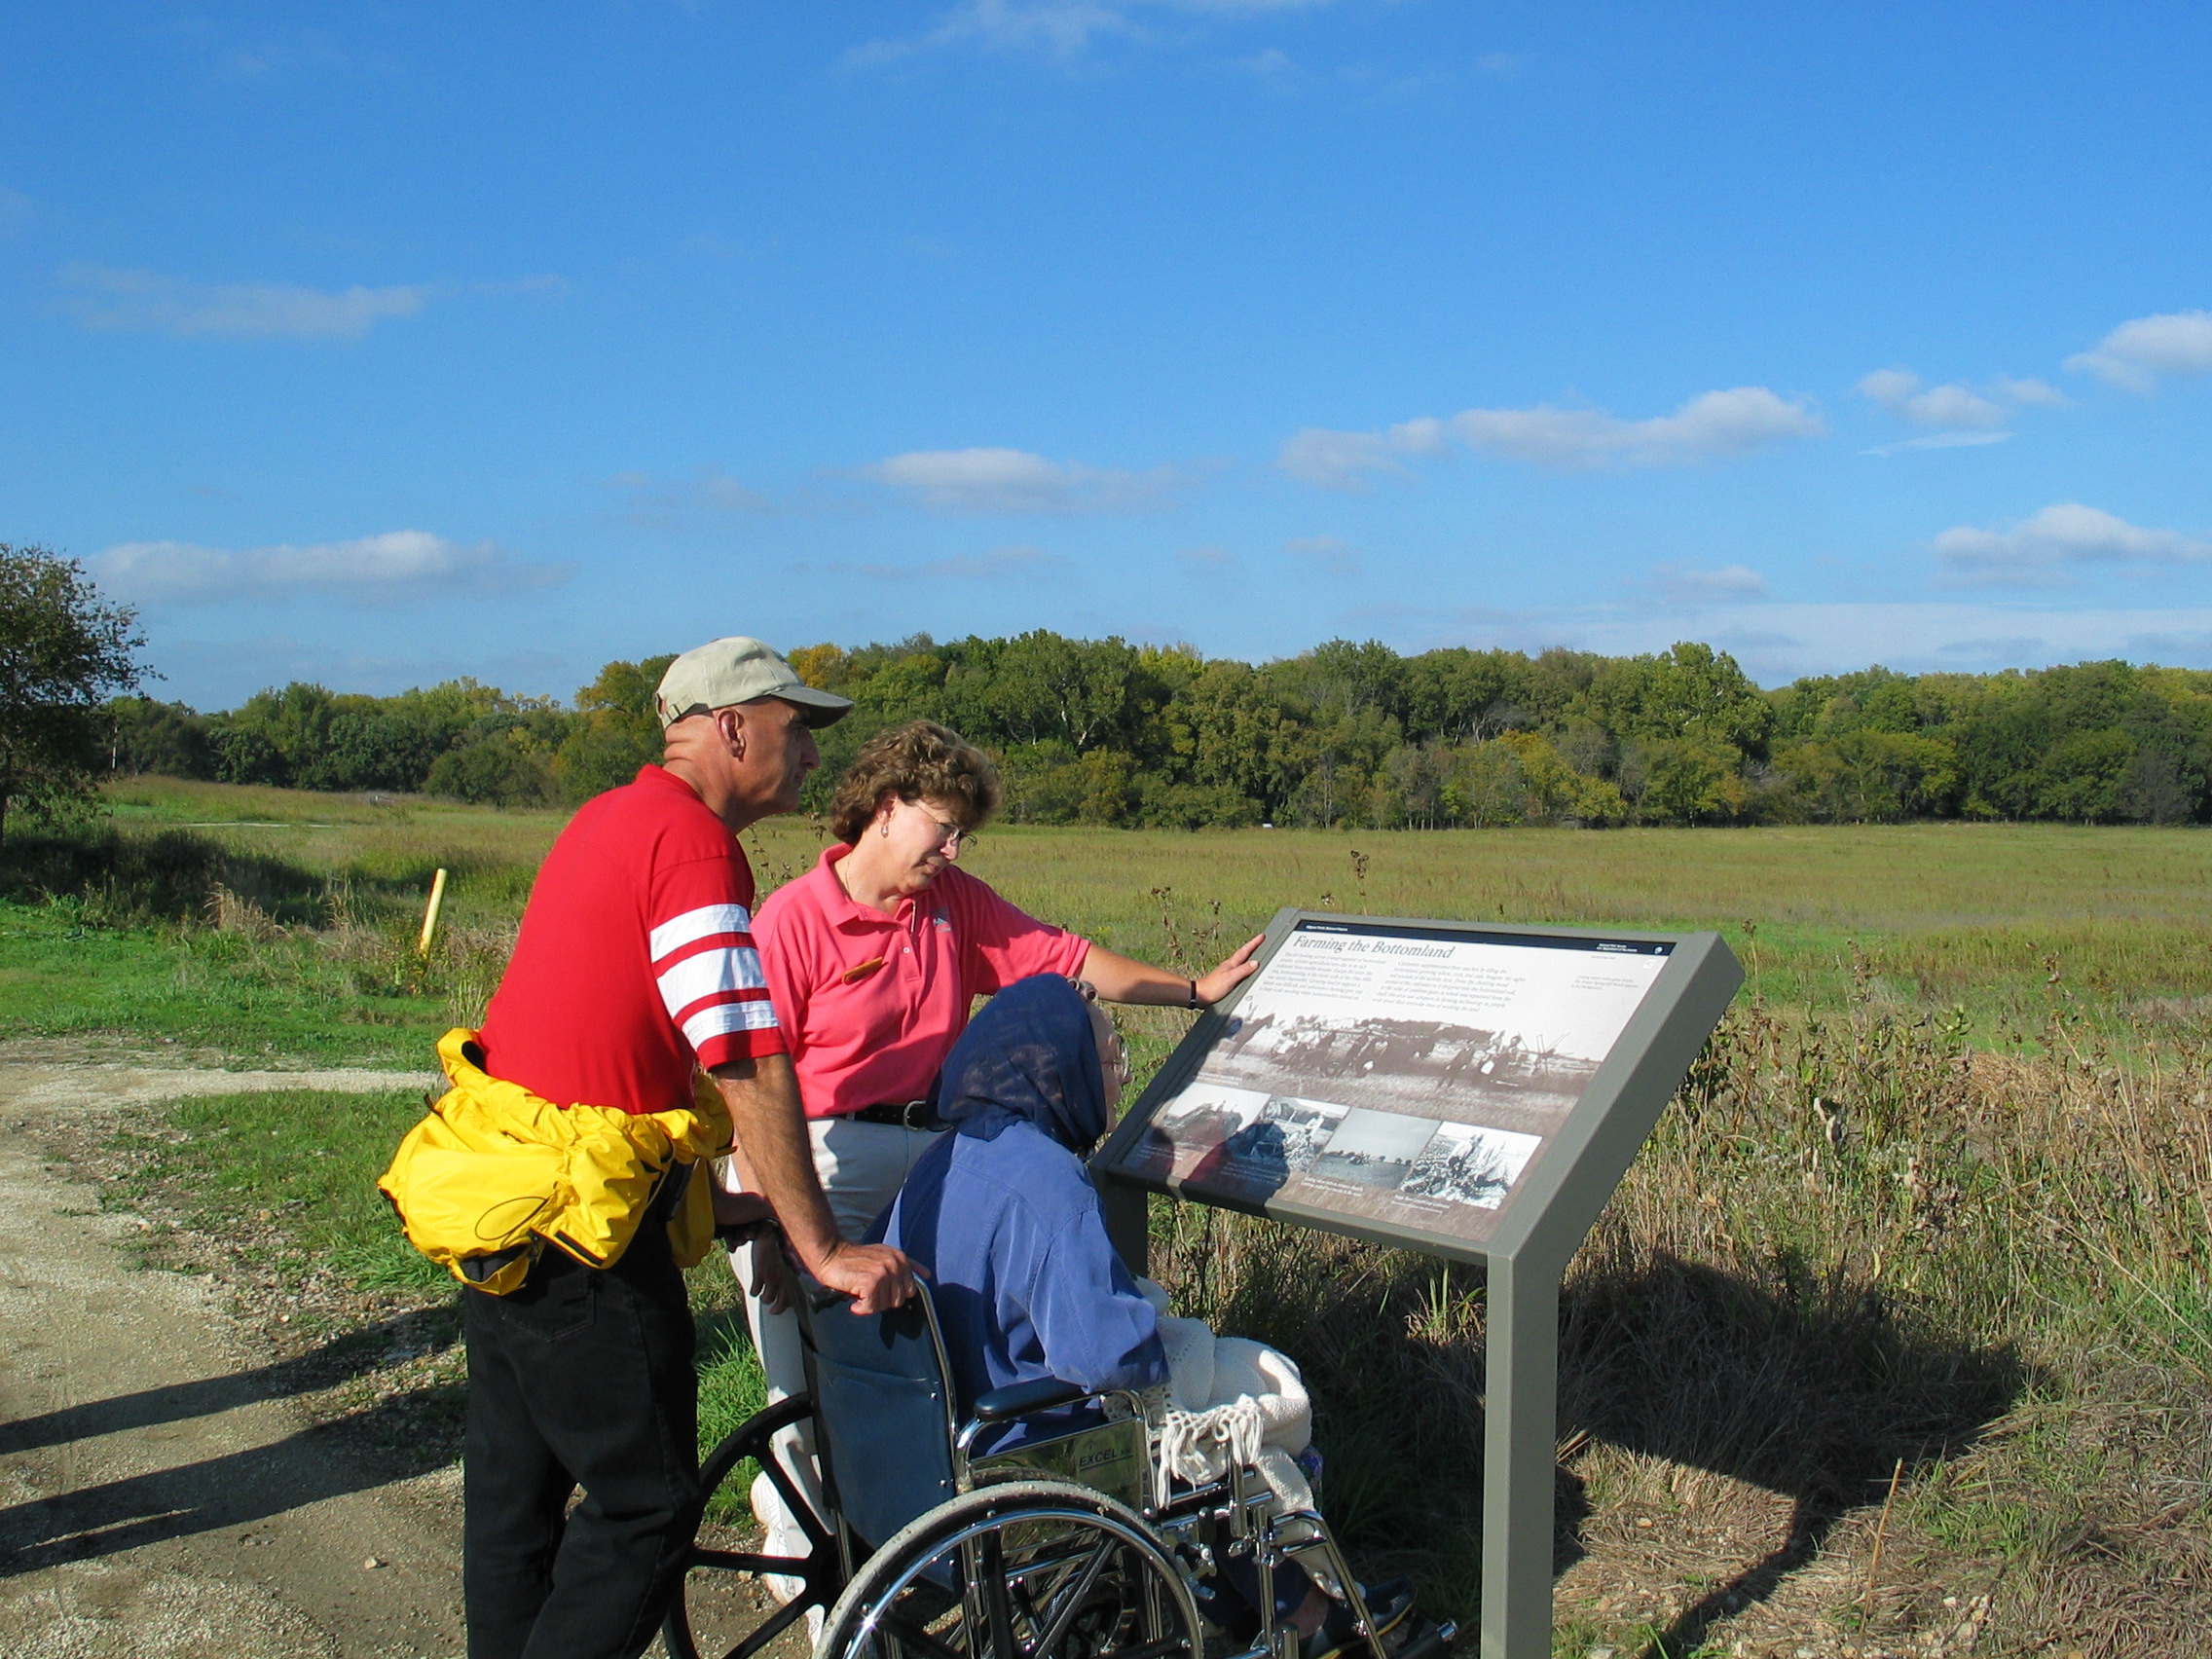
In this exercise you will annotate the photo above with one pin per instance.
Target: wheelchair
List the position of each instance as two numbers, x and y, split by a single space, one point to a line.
1067 1546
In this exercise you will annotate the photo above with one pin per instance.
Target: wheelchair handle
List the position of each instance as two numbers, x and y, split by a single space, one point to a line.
731 1234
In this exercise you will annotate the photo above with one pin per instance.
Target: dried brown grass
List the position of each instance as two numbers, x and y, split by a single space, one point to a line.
1852 1243
228 910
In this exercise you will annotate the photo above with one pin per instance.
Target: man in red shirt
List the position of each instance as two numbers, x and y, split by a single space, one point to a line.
634 964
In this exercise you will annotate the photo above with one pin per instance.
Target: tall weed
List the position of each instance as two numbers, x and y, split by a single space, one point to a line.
1855 1249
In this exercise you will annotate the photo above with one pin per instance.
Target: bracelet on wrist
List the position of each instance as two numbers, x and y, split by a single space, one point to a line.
1194 1002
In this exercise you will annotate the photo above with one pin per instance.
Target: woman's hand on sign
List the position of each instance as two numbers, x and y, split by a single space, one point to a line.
1233 972
1123 978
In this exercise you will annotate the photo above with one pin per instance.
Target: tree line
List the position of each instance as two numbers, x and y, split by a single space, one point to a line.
1101 732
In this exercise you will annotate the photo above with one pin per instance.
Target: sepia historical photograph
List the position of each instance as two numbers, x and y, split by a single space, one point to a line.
1374 1148
1464 1164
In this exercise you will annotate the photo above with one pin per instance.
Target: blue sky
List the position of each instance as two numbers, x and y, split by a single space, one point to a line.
381 343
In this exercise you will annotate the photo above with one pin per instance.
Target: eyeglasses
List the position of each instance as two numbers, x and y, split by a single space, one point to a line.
950 835
1114 1055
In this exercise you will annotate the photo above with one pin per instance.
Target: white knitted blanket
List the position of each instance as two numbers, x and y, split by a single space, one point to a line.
1228 1400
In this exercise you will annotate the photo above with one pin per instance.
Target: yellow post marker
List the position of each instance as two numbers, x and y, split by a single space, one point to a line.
430 916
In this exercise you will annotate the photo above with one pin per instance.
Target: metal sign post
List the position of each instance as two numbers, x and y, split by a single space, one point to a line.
1471 1090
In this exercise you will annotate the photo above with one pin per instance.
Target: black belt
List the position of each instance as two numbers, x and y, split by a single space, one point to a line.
912 1115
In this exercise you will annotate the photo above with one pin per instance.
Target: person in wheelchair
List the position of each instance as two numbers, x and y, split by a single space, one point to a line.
1002 1217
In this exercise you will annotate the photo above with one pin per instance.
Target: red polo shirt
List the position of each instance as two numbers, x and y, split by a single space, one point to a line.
635 958
862 1035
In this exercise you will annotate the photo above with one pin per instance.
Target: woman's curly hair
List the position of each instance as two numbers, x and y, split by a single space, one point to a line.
916 761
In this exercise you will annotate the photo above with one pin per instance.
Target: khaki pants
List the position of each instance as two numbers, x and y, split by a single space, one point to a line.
861 1167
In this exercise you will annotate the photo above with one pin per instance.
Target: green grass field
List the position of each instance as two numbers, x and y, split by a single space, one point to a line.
1980 916
1898 1338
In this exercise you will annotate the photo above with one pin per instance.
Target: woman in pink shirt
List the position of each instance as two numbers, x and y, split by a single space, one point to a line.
873 959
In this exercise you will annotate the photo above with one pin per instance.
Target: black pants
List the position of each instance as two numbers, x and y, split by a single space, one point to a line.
579 1379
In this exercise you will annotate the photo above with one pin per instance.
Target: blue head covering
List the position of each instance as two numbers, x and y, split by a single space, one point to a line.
1030 1056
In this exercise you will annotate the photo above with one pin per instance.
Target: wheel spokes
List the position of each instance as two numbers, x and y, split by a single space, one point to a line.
795 1502
1071 1600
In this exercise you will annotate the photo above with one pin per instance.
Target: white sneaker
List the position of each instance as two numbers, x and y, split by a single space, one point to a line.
782 1536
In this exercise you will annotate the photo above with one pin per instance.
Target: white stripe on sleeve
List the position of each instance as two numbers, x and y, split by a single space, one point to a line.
728 968
726 1017
702 923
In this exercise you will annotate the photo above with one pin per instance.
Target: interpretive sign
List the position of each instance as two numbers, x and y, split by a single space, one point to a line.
1470 1089
1404 1076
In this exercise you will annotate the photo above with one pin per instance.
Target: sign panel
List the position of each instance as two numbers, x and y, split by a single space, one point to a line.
1400 1077
1471 1090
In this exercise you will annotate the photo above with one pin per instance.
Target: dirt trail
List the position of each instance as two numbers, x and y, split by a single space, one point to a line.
157 1494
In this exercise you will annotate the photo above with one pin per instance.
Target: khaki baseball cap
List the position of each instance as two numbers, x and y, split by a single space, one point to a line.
740 669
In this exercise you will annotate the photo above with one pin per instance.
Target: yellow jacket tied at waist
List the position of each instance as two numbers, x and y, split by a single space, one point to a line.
493 1170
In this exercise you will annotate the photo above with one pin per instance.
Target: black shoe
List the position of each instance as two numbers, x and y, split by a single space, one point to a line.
1387 1605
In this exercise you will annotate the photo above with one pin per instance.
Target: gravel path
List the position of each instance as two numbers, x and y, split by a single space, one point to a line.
160 1493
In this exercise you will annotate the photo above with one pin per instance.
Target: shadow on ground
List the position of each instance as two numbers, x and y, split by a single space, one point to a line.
1811 1389
339 1360
1818 1391
362 1450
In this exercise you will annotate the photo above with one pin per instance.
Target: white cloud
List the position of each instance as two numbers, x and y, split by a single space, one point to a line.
1712 426
1059 29
1682 584
1777 642
1956 407
1345 459
2136 354
398 564
1953 406
1423 436
1940 441
1336 460
2035 551
1708 428
2028 393
1015 481
709 488
143 299
1891 387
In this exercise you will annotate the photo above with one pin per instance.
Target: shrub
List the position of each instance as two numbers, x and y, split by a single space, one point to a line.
500 768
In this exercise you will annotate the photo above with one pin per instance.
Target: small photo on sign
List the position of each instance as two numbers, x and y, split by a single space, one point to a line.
1465 1163
1255 1162
1193 1129
1374 1148
1292 1132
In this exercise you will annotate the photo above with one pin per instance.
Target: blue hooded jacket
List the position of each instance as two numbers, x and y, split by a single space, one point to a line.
1002 1214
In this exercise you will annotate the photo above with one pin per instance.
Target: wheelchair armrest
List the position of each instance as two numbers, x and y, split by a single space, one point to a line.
1022 1399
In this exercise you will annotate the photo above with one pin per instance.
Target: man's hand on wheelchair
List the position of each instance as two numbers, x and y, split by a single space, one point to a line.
739 1218
744 1218
877 1278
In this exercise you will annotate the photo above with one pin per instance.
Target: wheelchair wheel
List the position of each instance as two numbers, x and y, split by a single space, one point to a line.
1017 1570
721 1610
